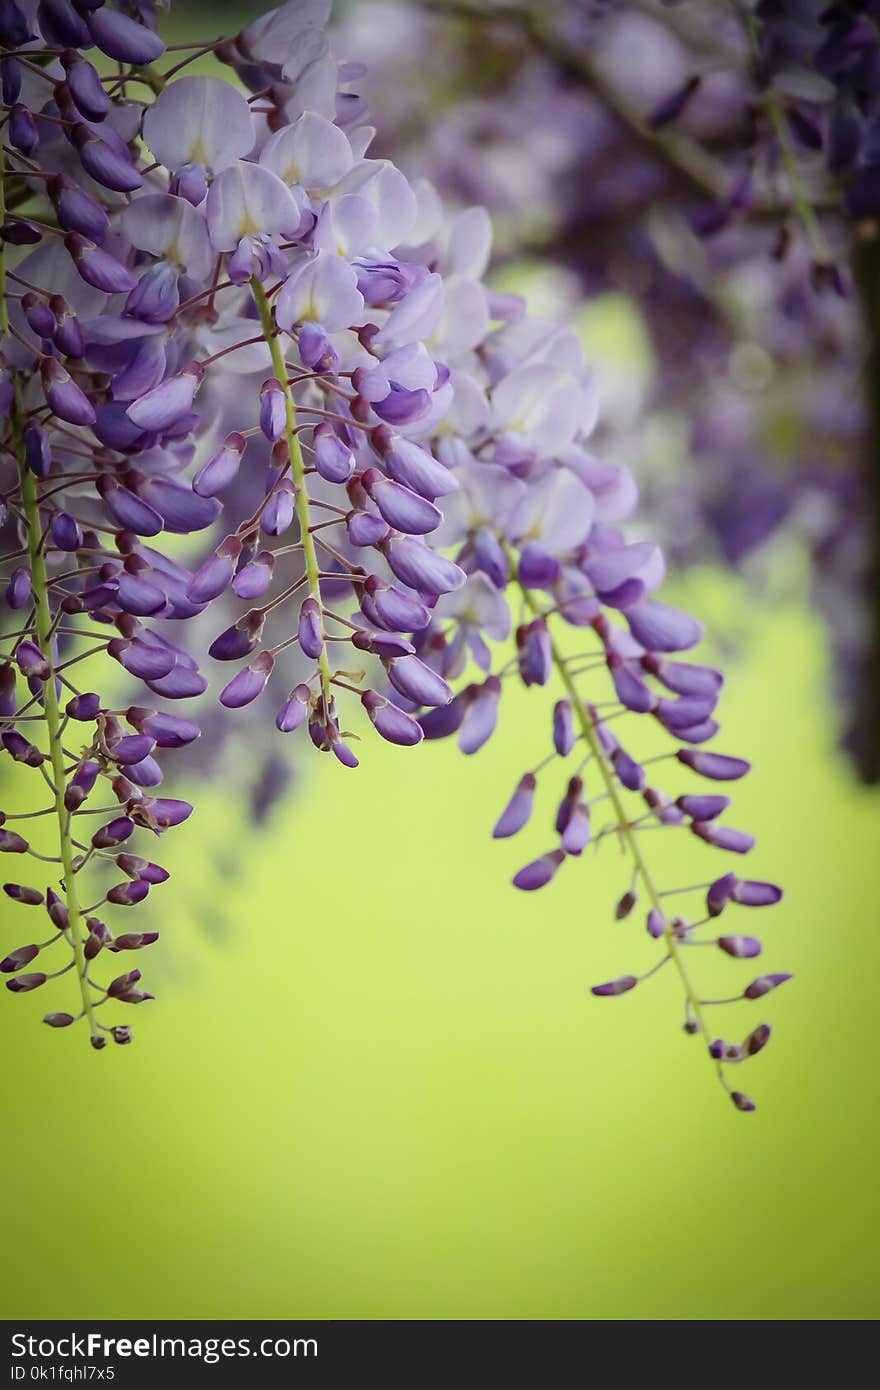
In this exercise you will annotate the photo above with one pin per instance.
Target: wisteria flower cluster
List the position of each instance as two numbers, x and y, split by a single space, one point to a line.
212 287
715 161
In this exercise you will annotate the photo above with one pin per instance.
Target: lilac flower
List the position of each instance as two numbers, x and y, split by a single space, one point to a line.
420 470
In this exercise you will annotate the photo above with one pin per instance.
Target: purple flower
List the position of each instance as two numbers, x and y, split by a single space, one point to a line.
392 723
249 683
539 872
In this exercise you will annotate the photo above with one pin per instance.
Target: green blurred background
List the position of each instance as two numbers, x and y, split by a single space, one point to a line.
375 1084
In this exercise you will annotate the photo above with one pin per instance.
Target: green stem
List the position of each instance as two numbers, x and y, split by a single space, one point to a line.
299 474
30 506
630 839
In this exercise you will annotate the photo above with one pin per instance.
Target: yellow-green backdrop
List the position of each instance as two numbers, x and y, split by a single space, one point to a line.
375 1084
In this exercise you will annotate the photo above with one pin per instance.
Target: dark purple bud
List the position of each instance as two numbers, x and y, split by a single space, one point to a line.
422 568
108 164
39 316
61 26
17 959
18 231
23 984
720 893
392 723
10 68
310 631
136 867
240 639
123 983
20 893
481 716
655 924
403 509
121 1033
751 893
273 409
169 730
162 812
631 690
630 773
89 95
612 988
81 784
724 837
539 872
129 510
278 514
22 129
254 578
563 728
718 767
134 940
162 407
293 712
57 911
14 31
77 211
578 830
190 182
31 661
123 38
37 453
703 807
418 682
742 1101
489 556
757 1040
365 529
116 832
98 938
221 468
534 652
445 719
215 575
742 947
132 748
625 905
18 591
763 985
58 1020
63 394
402 407
128 894
334 460
68 335
20 750
316 349
98 268
66 532
141 659
537 569
382 644
660 628
567 804
155 297
518 809
684 678
249 682
410 464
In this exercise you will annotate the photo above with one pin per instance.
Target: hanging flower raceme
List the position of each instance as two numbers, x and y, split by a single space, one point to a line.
240 303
